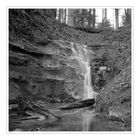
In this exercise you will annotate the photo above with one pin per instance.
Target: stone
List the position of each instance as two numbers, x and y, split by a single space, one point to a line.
42 70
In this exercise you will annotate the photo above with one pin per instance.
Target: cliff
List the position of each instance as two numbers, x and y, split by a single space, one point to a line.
39 57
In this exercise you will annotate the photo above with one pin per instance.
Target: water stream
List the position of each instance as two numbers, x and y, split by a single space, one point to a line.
82 54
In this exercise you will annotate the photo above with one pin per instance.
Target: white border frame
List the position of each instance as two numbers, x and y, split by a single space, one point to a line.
69 132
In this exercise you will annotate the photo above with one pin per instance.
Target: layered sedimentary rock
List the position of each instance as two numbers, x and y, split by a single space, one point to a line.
45 70
40 64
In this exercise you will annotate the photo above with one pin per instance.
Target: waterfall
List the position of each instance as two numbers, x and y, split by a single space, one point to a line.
81 54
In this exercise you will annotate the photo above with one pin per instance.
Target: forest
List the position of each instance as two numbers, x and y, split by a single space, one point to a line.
70 69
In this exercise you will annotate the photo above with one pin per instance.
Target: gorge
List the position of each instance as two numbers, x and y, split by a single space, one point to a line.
64 79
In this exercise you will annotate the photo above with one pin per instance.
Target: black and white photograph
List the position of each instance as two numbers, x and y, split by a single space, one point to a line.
69 69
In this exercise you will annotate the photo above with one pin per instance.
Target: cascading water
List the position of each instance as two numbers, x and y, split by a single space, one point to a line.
81 54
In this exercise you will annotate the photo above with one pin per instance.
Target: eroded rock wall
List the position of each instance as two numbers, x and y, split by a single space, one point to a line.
114 70
46 71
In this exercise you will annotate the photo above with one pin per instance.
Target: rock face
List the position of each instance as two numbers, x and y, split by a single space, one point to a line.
40 64
44 71
114 98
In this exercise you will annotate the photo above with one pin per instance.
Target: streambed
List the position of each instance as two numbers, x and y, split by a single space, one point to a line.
83 119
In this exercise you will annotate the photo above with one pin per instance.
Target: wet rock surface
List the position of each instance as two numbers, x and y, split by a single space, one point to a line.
47 71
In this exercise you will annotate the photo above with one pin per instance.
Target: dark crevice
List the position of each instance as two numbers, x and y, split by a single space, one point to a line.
126 100
18 62
43 43
89 30
96 46
19 80
19 50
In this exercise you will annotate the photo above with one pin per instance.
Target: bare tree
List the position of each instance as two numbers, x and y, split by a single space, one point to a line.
82 18
70 17
60 15
65 15
127 17
116 18
104 15
94 18
89 18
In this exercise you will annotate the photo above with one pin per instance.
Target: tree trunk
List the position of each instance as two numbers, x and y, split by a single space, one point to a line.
60 15
89 18
116 18
83 18
94 18
80 104
70 17
128 16
65 15
104 15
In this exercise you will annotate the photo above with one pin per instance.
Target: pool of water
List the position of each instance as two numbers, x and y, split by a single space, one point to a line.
78 120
